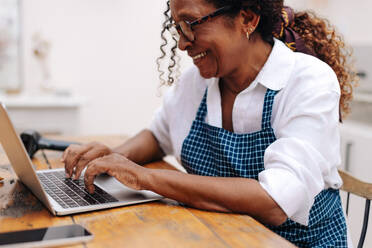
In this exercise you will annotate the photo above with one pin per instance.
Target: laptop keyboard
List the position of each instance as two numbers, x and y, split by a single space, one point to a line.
71 193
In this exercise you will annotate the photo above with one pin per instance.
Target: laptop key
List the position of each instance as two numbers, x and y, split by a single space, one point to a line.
105 195
98 198
60 202
72 193
72 204
90 200
78 200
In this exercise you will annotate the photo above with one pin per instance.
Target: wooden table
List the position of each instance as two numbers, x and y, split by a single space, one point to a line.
158 224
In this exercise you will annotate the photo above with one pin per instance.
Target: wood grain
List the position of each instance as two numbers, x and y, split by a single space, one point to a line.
236 230
355 186
155 225
20 210
158 224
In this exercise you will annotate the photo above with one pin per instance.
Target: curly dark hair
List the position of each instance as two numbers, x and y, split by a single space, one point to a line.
318 34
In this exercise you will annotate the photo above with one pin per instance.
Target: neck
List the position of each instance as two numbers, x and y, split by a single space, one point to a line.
251 62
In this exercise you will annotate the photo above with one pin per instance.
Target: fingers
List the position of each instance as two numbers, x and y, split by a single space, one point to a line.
85 159
124 170
94 168
72 155
76 157
64 155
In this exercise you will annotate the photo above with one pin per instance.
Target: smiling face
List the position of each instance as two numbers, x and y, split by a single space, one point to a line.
217 46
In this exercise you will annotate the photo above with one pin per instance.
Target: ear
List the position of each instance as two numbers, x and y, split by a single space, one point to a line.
248 21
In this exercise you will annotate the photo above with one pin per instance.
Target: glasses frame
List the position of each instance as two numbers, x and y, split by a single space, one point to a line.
185 27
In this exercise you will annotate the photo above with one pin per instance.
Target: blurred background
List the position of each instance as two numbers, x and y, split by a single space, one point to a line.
97 58
88 67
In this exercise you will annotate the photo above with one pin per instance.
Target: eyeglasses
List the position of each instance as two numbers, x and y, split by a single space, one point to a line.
185 27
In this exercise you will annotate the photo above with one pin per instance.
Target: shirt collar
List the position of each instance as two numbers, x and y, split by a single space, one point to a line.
278 67
276 71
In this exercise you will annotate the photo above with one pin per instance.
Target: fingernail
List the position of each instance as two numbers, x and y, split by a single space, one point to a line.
67 175
62 160
91 190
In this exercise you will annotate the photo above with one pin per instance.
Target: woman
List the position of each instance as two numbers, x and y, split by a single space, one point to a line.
254 123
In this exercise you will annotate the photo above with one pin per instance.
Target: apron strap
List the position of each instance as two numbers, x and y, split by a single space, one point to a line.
202 110
268 108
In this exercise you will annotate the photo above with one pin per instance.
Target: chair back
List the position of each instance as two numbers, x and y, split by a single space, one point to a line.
355 186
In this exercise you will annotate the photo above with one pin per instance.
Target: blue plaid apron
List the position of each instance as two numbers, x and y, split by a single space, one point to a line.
213 151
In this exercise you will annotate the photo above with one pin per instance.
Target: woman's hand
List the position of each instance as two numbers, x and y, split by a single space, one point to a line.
118 166
76 157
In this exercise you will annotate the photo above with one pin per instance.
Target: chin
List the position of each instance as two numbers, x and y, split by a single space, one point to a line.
207 74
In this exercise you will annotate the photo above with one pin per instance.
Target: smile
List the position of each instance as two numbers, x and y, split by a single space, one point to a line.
199 56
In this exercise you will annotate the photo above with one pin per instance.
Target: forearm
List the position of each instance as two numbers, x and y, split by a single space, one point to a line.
141 148
240 195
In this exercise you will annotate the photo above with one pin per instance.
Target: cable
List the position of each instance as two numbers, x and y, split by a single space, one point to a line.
46 159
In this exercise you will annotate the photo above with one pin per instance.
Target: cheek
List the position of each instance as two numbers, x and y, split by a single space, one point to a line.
220 52
215 62
230 51
222 58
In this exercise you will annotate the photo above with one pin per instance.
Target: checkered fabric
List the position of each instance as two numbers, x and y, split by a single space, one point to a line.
327 226
213 151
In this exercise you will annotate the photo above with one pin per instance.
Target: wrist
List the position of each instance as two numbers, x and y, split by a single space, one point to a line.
121 152
146 178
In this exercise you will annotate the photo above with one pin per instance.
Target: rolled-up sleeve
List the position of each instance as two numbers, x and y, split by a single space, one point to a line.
306 151
160 127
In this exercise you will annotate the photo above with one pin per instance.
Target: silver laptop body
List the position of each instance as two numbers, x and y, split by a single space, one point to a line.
22 166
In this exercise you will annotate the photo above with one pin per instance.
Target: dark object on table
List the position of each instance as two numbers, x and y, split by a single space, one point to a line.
33 141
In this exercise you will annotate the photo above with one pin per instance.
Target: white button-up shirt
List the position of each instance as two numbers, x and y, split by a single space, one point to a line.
304 158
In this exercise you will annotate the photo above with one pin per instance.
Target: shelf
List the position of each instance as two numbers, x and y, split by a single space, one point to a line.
26 101
46 113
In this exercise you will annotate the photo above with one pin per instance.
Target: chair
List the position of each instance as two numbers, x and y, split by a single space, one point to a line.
362 189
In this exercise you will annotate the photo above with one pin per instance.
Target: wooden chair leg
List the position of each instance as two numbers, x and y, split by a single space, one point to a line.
365 223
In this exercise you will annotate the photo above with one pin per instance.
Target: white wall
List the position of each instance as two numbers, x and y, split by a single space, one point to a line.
105 51
350 18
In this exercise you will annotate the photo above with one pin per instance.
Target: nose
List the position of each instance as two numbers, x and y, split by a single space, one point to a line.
183 43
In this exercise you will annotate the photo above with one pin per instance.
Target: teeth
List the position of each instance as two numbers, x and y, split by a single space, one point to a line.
200 55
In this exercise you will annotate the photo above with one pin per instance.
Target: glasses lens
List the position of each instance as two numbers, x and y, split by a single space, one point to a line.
173 31
186 30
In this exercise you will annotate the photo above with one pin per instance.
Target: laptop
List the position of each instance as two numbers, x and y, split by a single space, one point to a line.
63 196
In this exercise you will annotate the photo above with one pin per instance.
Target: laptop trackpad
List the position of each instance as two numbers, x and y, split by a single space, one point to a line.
121 192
